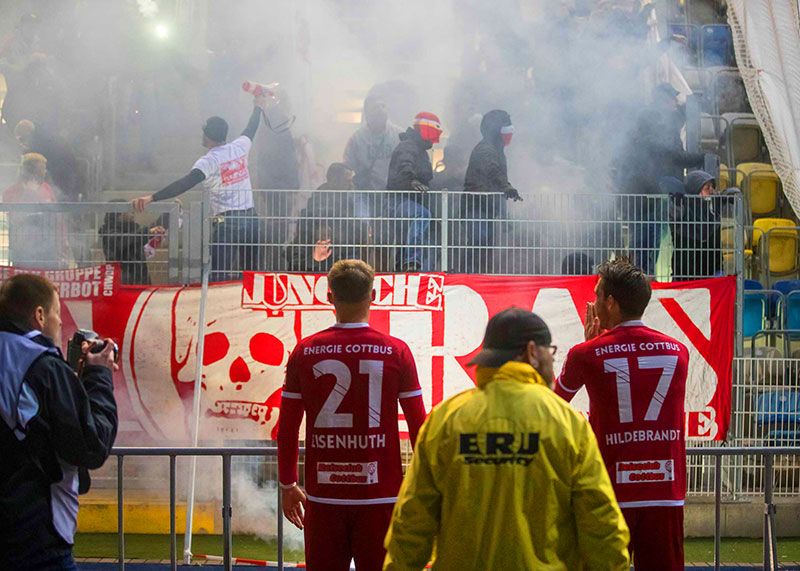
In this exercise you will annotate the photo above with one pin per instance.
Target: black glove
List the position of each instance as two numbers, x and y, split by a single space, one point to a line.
512 194
418 186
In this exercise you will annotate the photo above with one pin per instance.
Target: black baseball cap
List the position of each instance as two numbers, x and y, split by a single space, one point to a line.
507 335
216 129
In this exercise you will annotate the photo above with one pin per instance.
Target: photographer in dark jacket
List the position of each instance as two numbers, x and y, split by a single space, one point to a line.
410 171
695 226
54 426
487 172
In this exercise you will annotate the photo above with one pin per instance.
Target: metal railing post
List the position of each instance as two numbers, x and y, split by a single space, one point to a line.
173 246
194 245
738 255
173 542
445 264
120 514
717 508
280 529
770 543
226 513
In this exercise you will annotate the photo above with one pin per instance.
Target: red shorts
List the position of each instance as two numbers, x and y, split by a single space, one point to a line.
336 534
656 537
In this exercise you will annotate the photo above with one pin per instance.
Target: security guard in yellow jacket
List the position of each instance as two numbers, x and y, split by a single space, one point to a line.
508 476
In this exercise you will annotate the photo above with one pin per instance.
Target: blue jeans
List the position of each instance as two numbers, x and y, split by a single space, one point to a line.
234 240
415 226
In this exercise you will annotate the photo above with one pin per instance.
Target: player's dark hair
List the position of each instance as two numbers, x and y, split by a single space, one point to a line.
627 284
21 294
350 281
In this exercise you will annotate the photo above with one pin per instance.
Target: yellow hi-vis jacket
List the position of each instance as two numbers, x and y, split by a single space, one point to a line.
507 477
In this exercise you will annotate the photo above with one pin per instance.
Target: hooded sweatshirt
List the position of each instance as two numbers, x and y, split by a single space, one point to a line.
695 181
695 230
487 170
410 162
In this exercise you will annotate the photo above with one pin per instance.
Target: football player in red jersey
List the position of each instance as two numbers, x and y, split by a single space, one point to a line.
347 380
636 381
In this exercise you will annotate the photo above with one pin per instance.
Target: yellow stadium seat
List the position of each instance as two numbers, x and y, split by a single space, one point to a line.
725 177
760 186
782 241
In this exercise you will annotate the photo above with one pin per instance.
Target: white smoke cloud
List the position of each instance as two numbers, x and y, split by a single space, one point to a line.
148 8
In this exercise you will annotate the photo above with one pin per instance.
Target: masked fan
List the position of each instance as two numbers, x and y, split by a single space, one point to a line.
487 172
410 173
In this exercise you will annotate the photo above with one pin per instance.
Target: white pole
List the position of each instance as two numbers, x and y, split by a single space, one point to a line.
198 376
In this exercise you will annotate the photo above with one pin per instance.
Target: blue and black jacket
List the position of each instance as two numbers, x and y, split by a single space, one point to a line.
54 427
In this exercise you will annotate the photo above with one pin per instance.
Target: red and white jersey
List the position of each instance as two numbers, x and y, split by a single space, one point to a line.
349 379
636 380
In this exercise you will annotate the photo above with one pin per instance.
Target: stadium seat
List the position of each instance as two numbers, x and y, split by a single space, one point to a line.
726 92
754 313
701 12
779 255
716 45
761 186
790 311
743 140
778 414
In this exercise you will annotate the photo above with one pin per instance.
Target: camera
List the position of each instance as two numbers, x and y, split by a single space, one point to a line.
75 352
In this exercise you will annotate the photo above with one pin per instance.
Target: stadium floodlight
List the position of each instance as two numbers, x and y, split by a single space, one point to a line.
162 31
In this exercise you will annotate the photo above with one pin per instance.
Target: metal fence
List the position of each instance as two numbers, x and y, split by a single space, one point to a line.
717 455
679 237
765 414
68 235
548 234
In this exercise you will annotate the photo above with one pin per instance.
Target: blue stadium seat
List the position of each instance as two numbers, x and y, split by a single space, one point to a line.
716 45
752 284
791 304
778 412
754 314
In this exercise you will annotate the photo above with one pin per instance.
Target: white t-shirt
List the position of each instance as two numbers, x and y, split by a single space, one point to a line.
227 176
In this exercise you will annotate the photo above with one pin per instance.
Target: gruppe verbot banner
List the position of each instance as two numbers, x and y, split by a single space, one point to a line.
253 325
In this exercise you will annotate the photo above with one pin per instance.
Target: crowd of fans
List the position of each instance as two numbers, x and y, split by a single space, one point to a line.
393 223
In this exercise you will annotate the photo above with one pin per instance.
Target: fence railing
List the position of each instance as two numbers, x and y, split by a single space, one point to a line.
227 454
547 234
65 235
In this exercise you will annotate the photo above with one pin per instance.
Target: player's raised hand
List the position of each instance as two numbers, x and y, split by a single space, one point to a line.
294 503
591 326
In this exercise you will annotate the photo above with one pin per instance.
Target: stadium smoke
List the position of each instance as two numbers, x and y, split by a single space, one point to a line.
148 8
568 71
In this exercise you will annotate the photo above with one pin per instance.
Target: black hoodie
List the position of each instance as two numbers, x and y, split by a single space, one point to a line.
409 162
695 230
487 170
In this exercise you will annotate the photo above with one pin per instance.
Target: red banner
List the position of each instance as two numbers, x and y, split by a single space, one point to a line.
252 326
76 284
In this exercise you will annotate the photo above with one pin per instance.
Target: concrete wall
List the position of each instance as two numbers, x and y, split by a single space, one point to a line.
740 519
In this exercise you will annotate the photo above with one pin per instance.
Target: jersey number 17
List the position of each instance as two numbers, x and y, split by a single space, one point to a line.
621 368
